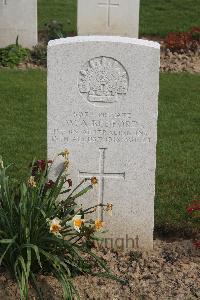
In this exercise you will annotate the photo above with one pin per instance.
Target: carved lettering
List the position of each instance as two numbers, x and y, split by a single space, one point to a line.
102 127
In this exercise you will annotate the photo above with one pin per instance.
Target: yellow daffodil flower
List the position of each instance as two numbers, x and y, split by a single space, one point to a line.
99 224
55 226
77 222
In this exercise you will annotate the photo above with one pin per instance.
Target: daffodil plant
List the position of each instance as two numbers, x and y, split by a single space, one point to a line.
42 229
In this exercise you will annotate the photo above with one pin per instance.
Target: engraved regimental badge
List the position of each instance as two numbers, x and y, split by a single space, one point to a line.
103 80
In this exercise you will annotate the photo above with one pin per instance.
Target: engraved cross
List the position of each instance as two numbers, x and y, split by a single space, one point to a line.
101 175
109 4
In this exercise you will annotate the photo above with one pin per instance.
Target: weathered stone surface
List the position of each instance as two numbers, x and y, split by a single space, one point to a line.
108 17
18 18
102 106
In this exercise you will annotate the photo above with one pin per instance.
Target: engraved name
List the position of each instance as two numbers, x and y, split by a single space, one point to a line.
101 127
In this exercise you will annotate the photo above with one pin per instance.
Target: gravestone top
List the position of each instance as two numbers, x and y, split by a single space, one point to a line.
103 107
108 17
97 38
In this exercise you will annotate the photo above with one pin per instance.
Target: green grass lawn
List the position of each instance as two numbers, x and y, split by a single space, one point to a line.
23 136
178 164
63 11
22 117
157 17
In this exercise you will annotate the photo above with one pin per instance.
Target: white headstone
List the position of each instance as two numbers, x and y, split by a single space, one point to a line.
18 18
108 17
102 106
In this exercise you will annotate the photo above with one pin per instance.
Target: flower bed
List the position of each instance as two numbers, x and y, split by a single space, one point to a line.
43 229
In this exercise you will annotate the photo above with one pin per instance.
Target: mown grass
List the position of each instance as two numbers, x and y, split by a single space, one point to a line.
157 17
22 117
63 11
23 136
178 164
